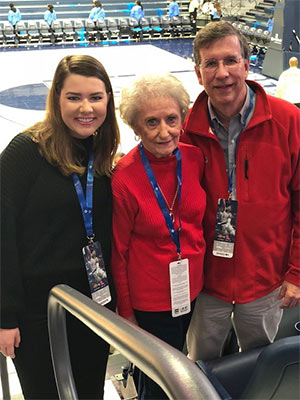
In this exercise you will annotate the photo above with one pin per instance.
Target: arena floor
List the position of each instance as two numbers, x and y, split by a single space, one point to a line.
28 73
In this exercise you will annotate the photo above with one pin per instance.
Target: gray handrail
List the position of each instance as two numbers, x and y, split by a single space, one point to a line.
179 377
4 378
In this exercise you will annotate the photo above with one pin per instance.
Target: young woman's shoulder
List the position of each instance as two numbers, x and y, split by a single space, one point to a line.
21 153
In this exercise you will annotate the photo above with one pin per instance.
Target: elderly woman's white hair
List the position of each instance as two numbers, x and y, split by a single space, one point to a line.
152 86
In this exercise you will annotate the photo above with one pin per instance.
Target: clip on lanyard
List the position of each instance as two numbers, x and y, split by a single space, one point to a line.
86 202
249 109
161 202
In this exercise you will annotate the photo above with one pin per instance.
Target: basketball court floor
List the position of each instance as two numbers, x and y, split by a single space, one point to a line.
26 76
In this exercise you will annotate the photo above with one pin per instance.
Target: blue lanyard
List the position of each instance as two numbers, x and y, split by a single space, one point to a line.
244 122
86 202
161 202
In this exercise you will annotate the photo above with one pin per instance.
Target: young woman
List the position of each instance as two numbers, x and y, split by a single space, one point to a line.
44 234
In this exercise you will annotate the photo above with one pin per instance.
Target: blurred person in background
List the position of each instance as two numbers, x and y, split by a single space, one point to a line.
216 12
288 85
137 11
50 14
270 24
173 9
14 15
97 11
193 9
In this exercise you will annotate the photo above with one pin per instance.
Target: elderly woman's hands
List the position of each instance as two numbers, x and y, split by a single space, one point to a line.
132 319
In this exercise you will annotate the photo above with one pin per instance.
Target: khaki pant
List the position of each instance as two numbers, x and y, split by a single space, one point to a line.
255 324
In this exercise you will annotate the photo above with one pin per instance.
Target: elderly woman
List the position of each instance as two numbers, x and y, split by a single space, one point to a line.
158 244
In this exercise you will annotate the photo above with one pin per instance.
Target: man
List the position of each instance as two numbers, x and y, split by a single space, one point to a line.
251 144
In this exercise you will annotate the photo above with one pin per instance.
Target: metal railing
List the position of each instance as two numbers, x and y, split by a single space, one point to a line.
4 378
179 377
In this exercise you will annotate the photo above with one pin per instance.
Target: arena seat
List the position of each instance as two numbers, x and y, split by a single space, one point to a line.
146 30
21 33
269 372
134 28
187 26
91 31
258 35
46 34
176 26
245 30
165 22
113 28
1 33
156 27
124 28
58 32
251 33
68 29
79 29
34 34
266 37
239 26
102 29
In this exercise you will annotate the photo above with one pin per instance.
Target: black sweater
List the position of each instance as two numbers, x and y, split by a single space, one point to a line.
42 230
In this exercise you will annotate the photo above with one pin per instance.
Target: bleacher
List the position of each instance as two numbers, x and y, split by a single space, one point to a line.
73 26
34 9
258 16
84 31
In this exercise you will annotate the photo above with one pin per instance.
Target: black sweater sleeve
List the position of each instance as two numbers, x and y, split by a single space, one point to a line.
19 166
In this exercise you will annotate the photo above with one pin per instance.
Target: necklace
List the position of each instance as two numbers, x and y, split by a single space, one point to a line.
170 209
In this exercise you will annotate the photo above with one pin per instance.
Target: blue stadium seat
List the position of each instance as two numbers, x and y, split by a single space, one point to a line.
134 28
146 30
156 27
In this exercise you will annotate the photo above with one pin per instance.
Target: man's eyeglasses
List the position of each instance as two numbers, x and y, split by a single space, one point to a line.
211 65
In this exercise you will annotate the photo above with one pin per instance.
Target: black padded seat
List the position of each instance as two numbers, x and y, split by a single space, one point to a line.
269 372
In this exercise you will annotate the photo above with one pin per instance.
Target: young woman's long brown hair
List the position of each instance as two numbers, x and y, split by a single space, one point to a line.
53 136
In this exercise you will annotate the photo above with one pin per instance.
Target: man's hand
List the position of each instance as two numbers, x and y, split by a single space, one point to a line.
9 339
290 294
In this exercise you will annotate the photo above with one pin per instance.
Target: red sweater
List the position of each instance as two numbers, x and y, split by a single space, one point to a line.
142 245
267 246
